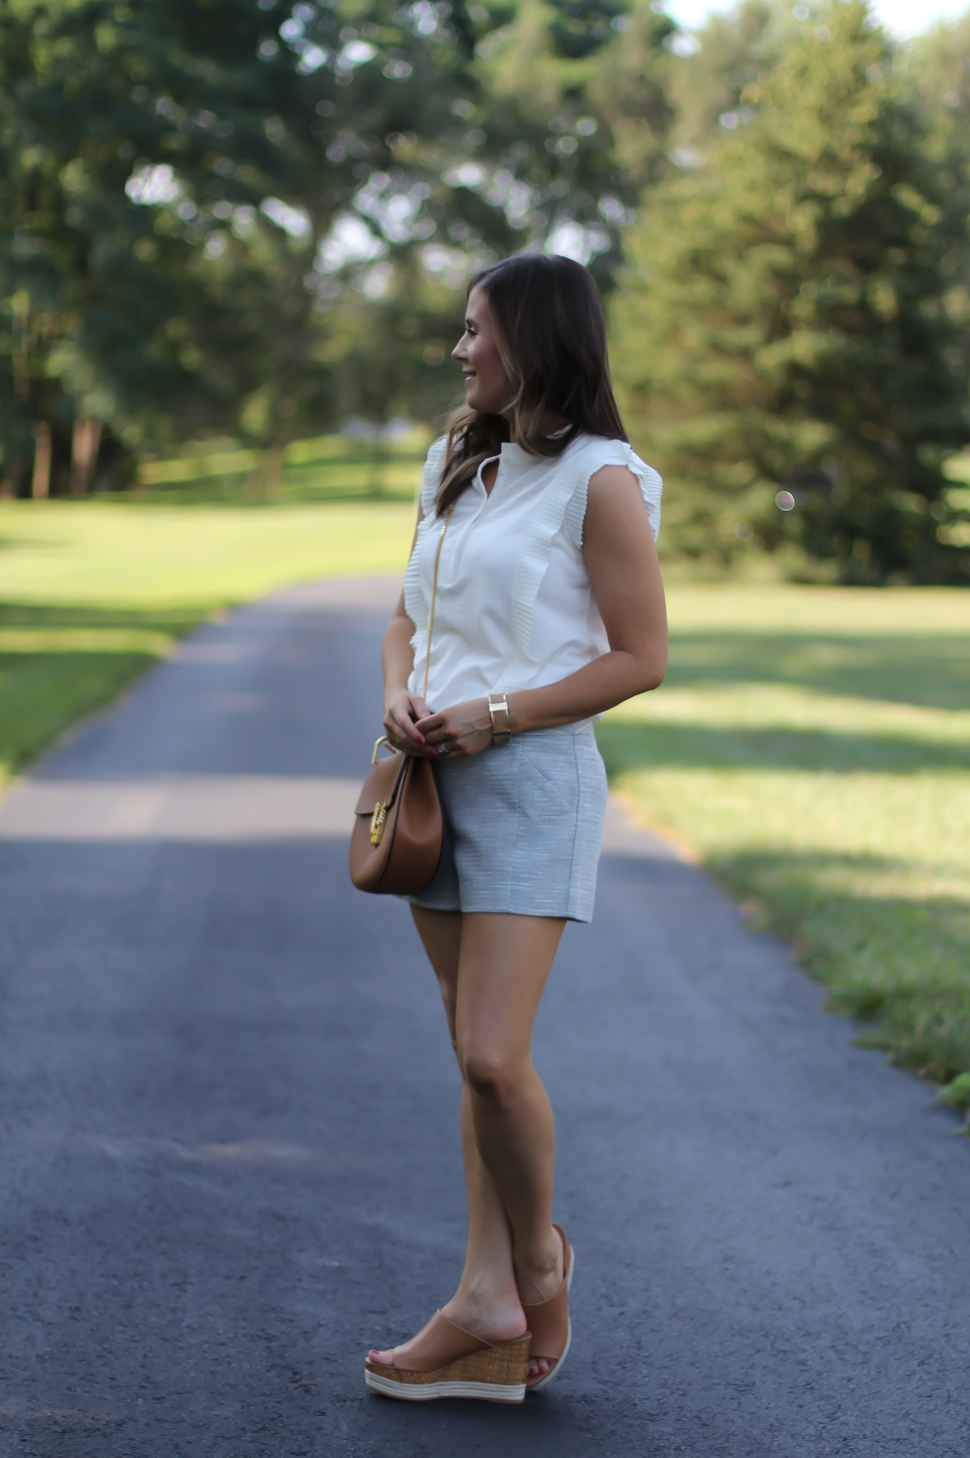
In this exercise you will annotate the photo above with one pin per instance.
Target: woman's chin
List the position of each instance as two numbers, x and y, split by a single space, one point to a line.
481 406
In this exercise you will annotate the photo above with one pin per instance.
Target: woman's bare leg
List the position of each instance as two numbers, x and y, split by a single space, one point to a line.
505 961
492 970
487 1296
487 1300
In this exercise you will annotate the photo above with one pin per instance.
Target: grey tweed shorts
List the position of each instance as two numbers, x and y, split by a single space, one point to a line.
523 827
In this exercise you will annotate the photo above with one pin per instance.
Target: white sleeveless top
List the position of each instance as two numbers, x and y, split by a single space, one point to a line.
515 606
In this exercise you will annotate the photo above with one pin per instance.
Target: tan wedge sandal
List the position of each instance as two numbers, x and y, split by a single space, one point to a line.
444 1360
549 1323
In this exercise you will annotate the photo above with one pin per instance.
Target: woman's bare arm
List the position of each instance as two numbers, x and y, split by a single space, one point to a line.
625 575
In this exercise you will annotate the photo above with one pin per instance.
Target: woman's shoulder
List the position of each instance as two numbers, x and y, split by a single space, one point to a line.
605 449
589 454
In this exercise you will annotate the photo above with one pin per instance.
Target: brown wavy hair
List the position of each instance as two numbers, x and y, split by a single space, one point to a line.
551 337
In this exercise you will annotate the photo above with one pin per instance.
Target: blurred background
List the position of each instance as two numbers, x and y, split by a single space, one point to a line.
232 229
234 240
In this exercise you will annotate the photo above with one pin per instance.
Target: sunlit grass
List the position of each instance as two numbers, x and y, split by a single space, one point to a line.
93 592
328 468
109 554
812 746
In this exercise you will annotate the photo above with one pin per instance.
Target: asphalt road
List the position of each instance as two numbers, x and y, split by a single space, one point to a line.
229 1134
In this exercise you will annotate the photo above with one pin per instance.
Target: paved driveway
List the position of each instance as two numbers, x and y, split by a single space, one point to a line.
229 1133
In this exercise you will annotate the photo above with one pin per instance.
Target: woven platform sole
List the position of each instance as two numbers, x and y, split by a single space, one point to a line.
493 1374
426 1391
548 1376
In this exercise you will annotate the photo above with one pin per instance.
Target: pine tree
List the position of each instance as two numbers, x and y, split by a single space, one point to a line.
791 330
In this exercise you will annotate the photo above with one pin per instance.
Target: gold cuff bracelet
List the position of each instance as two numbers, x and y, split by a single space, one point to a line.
498 712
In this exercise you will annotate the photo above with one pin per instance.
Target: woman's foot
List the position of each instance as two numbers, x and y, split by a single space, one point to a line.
537 1283
493 1318
444 1360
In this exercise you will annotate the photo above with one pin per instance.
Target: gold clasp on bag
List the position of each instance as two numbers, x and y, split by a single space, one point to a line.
377 748
380 809
377 823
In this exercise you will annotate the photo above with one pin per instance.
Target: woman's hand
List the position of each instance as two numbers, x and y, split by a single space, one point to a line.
401 712
458 732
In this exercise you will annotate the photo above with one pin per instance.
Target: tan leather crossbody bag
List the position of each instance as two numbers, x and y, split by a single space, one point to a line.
395 845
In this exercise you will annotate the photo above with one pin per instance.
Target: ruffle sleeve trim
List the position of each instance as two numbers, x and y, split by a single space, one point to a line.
612 453
416 602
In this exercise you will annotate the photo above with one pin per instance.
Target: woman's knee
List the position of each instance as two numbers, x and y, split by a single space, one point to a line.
493 1075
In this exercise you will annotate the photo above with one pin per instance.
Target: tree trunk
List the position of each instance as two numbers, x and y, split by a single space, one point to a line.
377 467
84 453
274 470
40 485
254 481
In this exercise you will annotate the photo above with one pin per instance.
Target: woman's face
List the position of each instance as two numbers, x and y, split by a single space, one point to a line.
486 386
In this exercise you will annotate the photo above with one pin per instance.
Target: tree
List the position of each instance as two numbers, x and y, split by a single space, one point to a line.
728 54
792 326
108 110
188 191
473 132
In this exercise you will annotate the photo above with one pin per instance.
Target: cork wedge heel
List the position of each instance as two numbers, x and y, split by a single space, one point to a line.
444 1360
549 1323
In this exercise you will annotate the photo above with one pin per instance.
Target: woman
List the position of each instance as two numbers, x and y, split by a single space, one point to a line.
549 609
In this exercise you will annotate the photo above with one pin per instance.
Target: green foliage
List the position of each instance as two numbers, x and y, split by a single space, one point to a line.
733 50
956 1095
252 219
125 131
214 217
794 320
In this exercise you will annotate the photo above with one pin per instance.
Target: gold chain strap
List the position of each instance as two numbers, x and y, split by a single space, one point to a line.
434 590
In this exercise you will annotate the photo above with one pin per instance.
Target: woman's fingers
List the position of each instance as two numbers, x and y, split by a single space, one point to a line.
454 731
434 728
401 730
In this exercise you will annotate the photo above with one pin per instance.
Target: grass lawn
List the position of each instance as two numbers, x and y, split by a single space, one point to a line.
330 468
92 592
812 747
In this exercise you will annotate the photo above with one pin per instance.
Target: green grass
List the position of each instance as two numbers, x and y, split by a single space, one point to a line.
93 592
812 747
330 468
